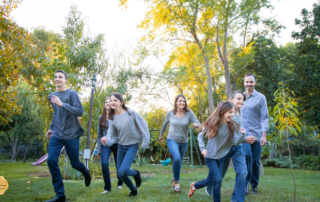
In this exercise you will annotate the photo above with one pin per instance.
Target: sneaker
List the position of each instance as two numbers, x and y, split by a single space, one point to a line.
133 193
191 192
119 187
104 192
247 189
209 190
254 190
137 178
87 178
58 199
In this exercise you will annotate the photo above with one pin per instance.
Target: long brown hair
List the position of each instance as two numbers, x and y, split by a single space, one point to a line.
112 112
103 119
175 109
214 121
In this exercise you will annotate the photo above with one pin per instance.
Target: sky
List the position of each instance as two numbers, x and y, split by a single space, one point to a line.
106 17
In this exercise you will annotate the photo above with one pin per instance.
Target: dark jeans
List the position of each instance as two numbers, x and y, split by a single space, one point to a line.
253 156
72 148
126 154
214 179
240 167
105 155
177 151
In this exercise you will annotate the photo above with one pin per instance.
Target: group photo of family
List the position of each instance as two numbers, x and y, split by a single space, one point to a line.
200 100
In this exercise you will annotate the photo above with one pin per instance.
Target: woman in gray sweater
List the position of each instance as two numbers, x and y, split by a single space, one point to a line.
180 118
128 129
104 152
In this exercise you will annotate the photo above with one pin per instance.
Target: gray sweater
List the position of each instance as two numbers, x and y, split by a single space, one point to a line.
220 145
65 123
178 130
128 129
238 119
102 131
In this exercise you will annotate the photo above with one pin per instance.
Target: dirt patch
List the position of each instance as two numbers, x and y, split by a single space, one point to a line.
34 174
148 174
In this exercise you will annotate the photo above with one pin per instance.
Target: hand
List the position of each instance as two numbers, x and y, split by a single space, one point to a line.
250 139
160 138
49 134
243 131
104 140
263 140
204 152
195 125
56 100
99 154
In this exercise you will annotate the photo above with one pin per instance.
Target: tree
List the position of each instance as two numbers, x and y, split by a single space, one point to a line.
306 66
286 119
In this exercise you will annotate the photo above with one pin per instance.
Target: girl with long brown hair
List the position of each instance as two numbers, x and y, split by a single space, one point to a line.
104 151
222 133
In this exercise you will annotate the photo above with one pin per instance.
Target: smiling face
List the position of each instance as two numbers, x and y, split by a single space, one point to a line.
107 104
249 83
238 100
227 117
60 80
115 103
181 103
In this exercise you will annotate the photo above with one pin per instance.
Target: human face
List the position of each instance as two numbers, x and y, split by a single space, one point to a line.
238 100
227 117
181 103
115 103
107 103
60 80
249 83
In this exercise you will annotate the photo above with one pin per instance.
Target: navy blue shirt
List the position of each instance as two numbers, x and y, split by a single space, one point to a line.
65 123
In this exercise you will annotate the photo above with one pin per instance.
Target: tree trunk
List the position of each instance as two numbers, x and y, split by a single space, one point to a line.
226 64
25 154
15 149
209 81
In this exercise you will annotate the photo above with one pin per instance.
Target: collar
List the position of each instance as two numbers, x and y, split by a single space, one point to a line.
254 93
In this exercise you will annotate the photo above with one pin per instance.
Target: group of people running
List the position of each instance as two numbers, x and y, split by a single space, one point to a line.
236 129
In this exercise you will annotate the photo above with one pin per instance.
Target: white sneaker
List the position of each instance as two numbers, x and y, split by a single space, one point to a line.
104 192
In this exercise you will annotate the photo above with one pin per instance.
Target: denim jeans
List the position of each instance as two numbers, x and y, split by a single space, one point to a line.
253 156
177 151
240 167
105 155
214 179
72 148
126 154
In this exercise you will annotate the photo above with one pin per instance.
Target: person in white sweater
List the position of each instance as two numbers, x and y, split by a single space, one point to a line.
128 129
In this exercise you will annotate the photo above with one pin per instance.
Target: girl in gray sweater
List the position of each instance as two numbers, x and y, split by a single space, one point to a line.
104 151
128 129
180 118
222 133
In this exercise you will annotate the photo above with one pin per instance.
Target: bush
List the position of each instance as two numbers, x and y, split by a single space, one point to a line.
299 162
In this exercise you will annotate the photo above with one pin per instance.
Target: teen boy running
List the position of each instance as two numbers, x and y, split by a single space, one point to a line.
65 130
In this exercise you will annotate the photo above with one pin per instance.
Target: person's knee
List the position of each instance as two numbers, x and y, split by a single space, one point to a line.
51 161
123 172
104 164
217 181
177 160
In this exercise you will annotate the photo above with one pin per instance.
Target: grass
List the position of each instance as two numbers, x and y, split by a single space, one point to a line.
275 185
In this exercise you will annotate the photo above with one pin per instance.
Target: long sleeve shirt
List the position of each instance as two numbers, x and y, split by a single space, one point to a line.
65 123
255 115
128 129
102 131
220 145
178 130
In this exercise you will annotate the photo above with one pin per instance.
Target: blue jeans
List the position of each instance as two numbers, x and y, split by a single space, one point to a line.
126 154
105 155
240 167
177 151
72 148
214 179
253 156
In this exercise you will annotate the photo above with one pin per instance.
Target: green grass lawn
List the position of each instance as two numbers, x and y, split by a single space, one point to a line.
275 185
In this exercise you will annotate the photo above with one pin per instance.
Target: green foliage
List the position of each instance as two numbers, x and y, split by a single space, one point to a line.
299 162
281 162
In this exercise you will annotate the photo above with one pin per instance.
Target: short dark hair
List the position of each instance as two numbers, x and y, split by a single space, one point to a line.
63 72
233 94
254 77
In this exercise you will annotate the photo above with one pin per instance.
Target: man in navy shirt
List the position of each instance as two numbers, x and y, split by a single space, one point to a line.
65 130
255 122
